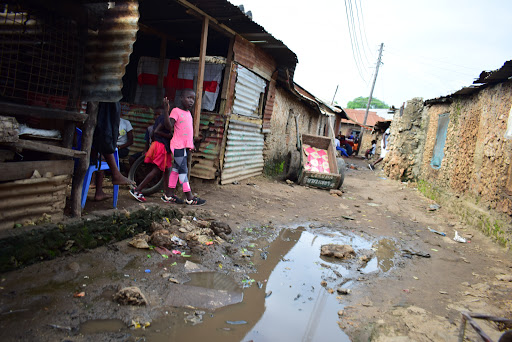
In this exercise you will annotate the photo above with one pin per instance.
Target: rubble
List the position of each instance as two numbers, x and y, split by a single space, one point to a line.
337 251
130 296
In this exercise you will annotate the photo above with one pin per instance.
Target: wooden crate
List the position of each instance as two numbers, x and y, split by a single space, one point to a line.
319 179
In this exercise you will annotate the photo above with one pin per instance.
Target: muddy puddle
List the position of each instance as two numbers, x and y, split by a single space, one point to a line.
284 300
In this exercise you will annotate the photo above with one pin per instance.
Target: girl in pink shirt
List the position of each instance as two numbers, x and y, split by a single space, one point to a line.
182 130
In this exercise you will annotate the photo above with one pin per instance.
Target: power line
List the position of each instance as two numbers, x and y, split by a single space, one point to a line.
356 40
364 30
352 43
360 34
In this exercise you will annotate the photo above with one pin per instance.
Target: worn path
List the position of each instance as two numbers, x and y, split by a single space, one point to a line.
418 299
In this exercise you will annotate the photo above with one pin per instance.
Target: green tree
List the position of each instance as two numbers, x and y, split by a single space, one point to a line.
361 102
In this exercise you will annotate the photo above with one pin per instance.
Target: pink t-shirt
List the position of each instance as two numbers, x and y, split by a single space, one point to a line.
183 136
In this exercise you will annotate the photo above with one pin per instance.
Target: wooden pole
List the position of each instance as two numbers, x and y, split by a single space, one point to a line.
83 164
200 77
163 50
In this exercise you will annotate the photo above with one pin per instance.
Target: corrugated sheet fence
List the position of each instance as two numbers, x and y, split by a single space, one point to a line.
205 162
244 151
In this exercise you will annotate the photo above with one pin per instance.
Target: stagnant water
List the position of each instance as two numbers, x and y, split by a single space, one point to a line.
288 305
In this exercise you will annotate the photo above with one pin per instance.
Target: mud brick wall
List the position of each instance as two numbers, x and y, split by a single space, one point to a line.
406 142
283 136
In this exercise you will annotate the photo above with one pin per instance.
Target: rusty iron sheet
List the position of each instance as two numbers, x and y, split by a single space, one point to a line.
140 117
244 151
206 161
108 53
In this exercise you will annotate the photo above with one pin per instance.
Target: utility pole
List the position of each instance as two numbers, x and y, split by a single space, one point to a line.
371 92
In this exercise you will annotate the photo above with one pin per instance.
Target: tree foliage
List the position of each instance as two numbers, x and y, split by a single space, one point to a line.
362 102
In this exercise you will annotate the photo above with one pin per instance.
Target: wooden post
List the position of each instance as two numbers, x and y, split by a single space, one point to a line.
200 77
163 49
83 164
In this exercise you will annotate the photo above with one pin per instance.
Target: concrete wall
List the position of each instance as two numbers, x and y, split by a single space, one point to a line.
475 177
282 138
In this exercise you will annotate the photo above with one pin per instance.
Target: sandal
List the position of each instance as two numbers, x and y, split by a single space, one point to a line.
138 196
171 199
195 201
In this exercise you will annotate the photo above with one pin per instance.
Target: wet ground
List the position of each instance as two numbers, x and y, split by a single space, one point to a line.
268 282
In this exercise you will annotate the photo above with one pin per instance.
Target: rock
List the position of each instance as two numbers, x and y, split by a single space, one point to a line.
130 296
504 277
343 291
192 267
140 241
434 207
336 192
340 313
337 251
161 238
364 258
202 224
323 283
220 228
289 181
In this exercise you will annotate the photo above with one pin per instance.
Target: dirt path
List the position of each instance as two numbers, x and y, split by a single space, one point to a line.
418 299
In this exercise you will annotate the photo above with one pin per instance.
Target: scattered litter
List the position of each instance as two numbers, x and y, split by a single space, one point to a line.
373 204
137 325
443 292
185 255
268 294
433 249
435 231
174 251
176 240
235 183
140 241
174 263
459 238
208 243
416 278
383 178
60 327
79 294
348 217
289 182
236 322
406 290
343 291
147 270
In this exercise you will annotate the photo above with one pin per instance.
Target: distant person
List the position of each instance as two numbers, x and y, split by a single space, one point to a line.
371 151
125 139
383 149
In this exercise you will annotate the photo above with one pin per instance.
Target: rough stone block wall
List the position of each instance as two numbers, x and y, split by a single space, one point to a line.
477 156
283 137
406 142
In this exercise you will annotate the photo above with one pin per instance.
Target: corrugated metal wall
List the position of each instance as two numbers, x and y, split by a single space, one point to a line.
140 117
244 151
248 90
205 162
37 199
108 53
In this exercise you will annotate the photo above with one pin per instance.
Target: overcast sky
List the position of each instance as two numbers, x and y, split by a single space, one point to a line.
431 48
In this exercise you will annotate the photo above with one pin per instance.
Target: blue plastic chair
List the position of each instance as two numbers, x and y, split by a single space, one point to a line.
92 168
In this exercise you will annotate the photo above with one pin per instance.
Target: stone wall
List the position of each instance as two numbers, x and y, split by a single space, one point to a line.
475 177
282 138
406 142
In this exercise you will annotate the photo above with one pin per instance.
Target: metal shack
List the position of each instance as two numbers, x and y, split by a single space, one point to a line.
59 58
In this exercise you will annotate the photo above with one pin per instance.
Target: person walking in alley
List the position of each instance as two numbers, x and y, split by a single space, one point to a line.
180 124
383 149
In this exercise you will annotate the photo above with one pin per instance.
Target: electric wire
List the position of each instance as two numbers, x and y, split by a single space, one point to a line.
356 40
352 43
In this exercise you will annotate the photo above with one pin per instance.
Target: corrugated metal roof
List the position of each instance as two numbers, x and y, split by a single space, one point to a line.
233 17
108 53
357 116
486 77
500 75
